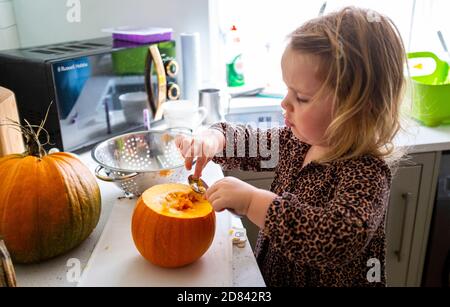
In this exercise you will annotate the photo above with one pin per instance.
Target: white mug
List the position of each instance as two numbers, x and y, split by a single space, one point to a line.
183 114
133 105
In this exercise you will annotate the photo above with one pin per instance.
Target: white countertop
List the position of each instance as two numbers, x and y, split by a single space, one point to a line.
417 138
55 272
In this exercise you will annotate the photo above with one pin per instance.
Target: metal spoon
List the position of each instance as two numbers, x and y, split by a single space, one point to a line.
199 186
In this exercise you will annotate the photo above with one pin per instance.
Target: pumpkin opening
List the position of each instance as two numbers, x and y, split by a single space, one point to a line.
177 200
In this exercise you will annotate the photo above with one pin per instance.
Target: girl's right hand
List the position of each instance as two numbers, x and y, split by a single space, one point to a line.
203 146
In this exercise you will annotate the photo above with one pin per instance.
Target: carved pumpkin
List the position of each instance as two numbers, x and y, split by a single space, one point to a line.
49 203
172 226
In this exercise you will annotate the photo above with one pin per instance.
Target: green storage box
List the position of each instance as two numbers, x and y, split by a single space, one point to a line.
132 61
431 93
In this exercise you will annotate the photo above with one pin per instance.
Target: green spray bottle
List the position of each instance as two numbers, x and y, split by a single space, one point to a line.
235 72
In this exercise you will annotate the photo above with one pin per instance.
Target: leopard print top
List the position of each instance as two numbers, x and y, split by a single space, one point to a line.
327 225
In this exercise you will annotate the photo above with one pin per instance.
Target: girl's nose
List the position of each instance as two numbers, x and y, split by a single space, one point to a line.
286 105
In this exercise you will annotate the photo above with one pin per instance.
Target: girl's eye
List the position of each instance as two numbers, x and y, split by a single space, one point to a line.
302 100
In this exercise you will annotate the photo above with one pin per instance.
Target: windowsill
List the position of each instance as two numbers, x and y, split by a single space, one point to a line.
253 104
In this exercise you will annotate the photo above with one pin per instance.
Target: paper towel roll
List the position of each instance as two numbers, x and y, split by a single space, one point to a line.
192 70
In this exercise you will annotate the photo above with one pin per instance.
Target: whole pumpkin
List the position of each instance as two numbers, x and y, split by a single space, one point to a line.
171 227
49 204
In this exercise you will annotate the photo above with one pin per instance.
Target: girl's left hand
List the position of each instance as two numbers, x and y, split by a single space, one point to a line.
231 193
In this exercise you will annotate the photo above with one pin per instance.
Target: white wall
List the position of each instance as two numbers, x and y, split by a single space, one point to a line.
45 21
8 29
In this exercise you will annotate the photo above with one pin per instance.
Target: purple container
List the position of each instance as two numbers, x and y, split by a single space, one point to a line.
143 36
143 39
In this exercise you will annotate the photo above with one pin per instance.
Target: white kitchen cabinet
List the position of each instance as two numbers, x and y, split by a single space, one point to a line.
408 219
409 216
400 222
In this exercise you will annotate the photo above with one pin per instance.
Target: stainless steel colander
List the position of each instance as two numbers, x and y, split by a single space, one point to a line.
136 161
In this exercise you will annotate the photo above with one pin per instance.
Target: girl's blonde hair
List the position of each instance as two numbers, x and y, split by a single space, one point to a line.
362 59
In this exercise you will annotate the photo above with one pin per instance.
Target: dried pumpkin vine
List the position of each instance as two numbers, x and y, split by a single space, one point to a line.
33 145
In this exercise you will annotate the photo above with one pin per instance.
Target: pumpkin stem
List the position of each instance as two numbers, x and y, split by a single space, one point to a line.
33 145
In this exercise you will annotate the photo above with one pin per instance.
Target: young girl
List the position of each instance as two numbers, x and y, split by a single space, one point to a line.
323 221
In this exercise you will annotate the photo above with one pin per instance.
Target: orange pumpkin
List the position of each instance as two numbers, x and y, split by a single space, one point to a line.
49 203
172 226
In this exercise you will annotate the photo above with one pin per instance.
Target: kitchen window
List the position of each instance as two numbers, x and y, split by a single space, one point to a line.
265 24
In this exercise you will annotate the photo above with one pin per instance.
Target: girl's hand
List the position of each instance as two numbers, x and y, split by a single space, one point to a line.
231 193
202 146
